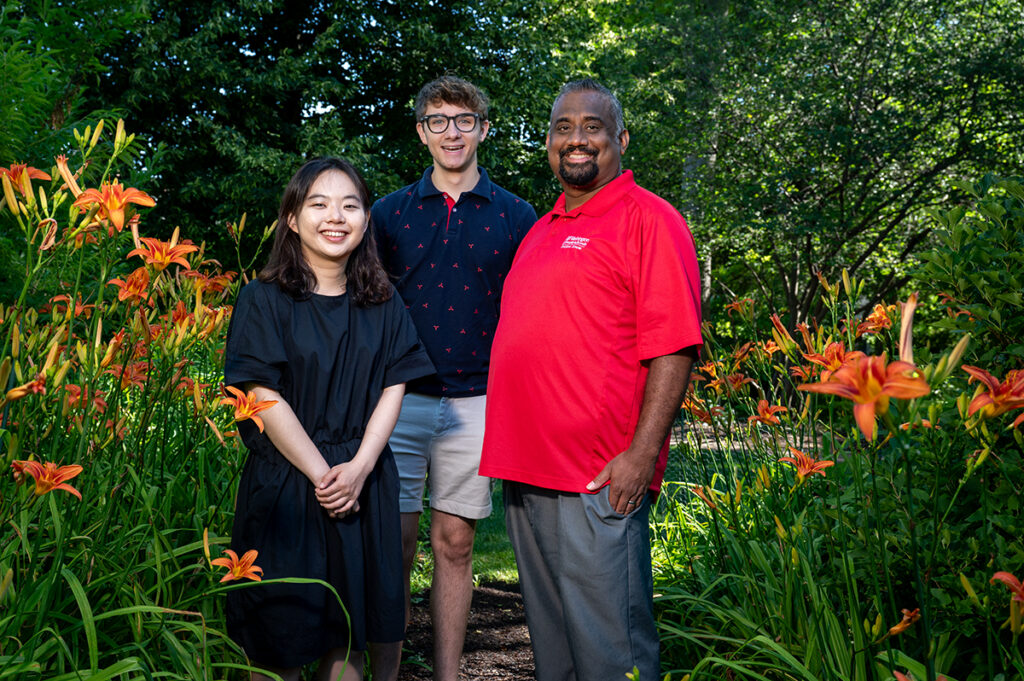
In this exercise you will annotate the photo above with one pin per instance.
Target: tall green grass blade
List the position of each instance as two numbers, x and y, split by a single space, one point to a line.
88 623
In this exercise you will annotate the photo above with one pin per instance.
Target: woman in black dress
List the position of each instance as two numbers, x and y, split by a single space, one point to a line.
322 332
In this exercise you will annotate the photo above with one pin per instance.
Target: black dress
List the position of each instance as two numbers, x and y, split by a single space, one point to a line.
330 360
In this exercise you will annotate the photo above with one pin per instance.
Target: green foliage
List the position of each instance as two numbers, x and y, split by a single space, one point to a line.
977 268
769 573
803 137
124 384
242 92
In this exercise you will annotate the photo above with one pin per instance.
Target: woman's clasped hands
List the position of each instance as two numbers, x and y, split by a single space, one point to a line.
338 490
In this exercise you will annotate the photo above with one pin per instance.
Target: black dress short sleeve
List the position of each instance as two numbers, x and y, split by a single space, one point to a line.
255 352
407 358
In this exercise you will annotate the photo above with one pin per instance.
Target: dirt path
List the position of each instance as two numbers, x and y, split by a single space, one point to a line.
497 644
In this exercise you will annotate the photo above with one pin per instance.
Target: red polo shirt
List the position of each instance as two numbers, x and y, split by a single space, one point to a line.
591 293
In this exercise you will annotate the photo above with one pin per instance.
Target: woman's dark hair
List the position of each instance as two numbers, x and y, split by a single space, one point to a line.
366 281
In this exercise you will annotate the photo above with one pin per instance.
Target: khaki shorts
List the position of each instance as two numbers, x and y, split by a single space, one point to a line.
438 440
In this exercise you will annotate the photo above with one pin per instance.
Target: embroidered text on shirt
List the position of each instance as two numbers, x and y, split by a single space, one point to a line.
577 242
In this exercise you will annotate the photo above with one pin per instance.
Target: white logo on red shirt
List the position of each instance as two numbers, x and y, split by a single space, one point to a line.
576 242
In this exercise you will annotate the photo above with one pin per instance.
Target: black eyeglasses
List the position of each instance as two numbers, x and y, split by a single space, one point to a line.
438 123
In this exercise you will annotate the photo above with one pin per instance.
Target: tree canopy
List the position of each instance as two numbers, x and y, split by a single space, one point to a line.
796 137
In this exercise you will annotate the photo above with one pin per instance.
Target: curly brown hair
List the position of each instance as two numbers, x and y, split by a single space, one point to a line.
450 89
366 282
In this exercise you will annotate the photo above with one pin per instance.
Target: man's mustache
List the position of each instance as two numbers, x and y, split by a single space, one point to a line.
585 149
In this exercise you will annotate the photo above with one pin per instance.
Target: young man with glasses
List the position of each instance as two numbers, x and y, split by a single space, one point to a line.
448 240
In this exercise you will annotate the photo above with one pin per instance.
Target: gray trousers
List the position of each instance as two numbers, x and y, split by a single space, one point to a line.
585 572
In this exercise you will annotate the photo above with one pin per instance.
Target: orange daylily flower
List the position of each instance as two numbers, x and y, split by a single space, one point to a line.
48 476
909 617
700 411
1000 397
80 307
805 465
20 175
831 289
767 414
831 358
768 348
112 199
745 307
36 386
710 368
740 354
135 288
161 254
805 372
705 495
240 568
733 382
79 398
1012 583
133 374
805 334
737 381
870 382
210 283
876 321
247 406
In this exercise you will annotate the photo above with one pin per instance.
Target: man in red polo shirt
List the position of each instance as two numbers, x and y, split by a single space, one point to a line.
600 324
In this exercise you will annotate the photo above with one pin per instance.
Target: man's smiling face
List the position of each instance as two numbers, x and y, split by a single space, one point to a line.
452 149
584 147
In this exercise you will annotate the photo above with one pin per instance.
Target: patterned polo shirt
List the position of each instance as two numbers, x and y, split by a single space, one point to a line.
449 260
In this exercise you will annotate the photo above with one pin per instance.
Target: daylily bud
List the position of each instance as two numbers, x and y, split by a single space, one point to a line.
847 286
206 543
6 584
119 135
26 189
781 336
971 593
907 329
65 174
96 135
5 370
82 350
952 360
12 202
779 529
58 377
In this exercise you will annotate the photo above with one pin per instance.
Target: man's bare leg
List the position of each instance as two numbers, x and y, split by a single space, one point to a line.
451 538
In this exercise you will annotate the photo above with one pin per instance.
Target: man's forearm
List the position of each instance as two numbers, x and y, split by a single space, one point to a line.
667 378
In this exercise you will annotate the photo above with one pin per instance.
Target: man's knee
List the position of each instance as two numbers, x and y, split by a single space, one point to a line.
451 539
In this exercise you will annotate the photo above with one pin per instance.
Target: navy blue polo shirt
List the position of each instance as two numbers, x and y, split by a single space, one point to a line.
449 260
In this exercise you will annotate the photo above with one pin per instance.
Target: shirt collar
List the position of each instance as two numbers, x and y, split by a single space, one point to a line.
483 188
599 203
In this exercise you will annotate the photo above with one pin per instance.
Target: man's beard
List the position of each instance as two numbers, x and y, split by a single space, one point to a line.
578 174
